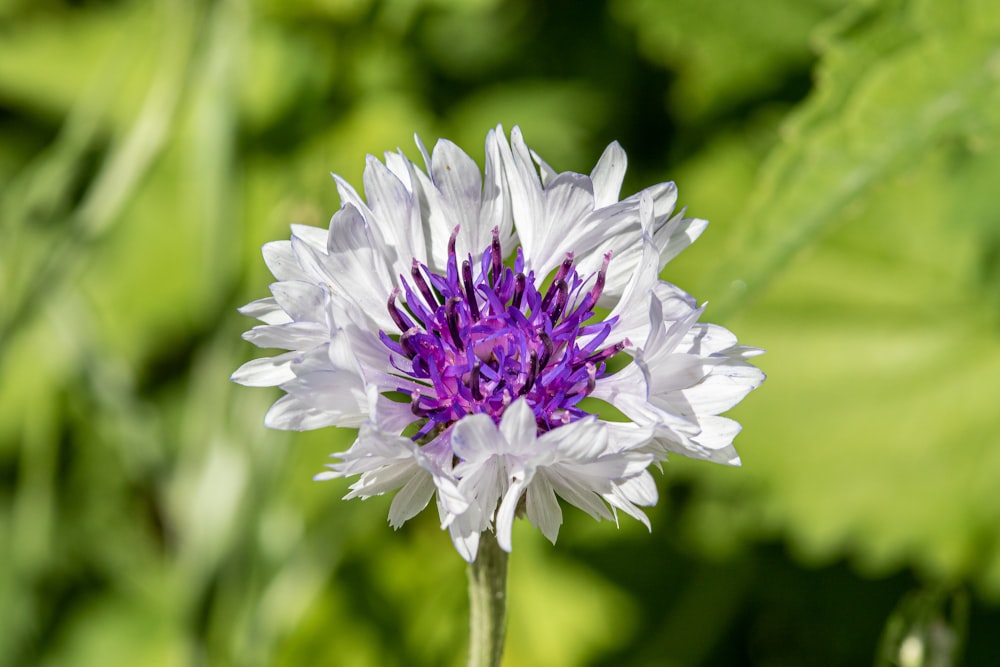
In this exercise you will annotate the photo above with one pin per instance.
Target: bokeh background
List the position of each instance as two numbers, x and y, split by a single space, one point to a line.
847 154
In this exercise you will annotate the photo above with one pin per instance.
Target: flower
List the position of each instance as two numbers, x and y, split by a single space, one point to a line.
468 324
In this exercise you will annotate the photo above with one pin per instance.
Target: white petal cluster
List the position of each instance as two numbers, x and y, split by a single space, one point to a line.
329 305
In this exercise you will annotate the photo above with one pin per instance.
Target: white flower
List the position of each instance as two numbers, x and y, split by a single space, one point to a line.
451 316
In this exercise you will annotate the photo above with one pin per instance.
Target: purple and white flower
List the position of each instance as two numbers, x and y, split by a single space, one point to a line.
468 325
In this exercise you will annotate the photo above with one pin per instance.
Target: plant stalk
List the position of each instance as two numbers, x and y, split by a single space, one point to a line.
487 603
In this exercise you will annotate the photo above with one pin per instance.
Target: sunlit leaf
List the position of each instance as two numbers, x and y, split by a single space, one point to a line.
868 120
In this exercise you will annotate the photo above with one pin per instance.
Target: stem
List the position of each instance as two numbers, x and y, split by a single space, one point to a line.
487 603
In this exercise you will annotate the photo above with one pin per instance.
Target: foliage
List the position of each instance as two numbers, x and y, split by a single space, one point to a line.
846 152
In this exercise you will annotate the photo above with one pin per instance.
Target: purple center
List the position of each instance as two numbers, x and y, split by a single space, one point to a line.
475 345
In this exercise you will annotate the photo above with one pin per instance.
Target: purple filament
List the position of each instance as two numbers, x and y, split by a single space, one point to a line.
476 344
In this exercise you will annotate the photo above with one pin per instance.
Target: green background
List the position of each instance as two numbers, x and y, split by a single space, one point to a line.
847 154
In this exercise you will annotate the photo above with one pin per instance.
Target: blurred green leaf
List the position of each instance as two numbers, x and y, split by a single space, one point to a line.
283 71
868 120
51 58
870 437
724 53
148 150
873 226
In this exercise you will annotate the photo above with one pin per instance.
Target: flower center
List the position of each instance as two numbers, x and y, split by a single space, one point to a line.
474 344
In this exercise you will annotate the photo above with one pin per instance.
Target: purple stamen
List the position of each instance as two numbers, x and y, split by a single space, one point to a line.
416 305
415 404
532 373
401 320
562 293
519 281
477 392
470 290
549 295
451 316
606 353
564 268
547 350
595 293
496 258
425 290
481 340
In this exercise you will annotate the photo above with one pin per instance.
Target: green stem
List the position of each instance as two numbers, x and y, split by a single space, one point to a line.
487 603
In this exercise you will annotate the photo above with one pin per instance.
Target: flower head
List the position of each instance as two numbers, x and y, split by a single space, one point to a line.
460 319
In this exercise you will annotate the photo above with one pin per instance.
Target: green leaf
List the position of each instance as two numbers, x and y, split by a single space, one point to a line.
873 227
890 89
54 58
724 53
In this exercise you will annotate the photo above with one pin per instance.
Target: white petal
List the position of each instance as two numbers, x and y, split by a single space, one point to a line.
706 339
726 384
675 303
476 437
626 435
628 383
662 196
505 515
714 443
640 489
568 201
390 416
673 372
742 352
266 310
525 190
301 300
337 391
717 439
543 508
291 336
266 372
578 491
400 166
385 478
618 500
349 197
518 426
632 310
457 178
337 394
627 390
465 531
483 482
398 221
281 261
354 266
411 499
450 498
545 170
495 208
435 221
676 235
340 355
608 175
371 353
314 236
581 440
290 413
